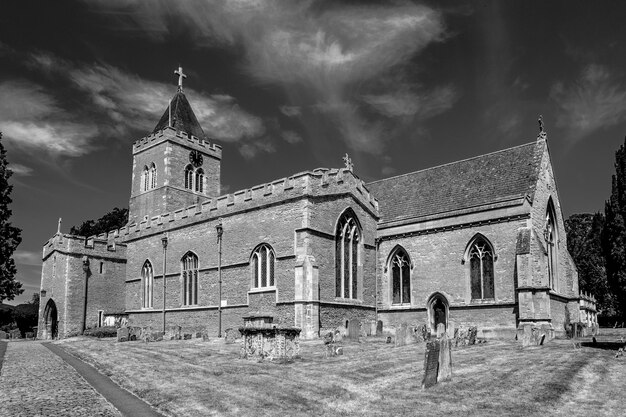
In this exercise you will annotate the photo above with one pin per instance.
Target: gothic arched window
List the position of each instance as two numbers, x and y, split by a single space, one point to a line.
347 238
145 178
199 180
551 237
400 267
189 279
263 260
147 284
153 176
189 177
481 259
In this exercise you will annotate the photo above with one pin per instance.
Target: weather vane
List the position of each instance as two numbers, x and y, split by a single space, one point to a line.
542 133
181 76
348 163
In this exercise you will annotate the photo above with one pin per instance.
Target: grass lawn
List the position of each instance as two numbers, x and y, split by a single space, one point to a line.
195 378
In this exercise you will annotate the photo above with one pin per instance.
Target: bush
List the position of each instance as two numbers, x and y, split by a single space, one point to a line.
99 332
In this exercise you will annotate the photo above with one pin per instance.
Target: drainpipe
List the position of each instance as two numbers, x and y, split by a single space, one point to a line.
376 245
86 271
164 243
220 231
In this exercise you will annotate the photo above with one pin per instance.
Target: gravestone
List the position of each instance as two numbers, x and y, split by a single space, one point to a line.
3 335
173 333
431 364
451 330
388 339
337 336
445 359
187 336
441 330
122 334
425 332
230 335
379 328
472 335
401 335
354 329
543 337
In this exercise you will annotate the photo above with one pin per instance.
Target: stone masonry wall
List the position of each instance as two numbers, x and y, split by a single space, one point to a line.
63 279
439 265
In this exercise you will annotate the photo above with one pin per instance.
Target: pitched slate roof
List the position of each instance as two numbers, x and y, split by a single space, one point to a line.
483 180
183 117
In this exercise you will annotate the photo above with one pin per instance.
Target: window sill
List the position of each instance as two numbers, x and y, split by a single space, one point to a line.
483 301
263 289
400 306
348 300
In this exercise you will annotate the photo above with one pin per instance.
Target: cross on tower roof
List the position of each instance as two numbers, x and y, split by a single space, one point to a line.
348 162
542 133
181 76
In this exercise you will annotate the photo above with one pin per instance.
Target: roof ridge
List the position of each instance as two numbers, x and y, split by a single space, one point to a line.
456 162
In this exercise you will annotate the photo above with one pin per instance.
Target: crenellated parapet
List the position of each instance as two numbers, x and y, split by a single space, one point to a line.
105 245
169 133
319 182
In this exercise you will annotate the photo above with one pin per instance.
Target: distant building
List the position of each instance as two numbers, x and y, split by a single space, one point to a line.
479 242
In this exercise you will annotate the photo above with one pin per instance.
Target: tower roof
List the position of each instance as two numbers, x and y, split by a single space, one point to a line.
180 117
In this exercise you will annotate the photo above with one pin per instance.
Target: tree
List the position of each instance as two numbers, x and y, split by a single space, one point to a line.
584 243
614 233
114 219
26 315
10 236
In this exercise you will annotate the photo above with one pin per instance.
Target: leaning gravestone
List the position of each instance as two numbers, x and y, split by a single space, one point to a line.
431 364
354 329
473 331
445 359
379 328
401 333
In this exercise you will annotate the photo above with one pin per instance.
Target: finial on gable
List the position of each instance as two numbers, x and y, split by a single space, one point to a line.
181 76
348 163
59 226
542 133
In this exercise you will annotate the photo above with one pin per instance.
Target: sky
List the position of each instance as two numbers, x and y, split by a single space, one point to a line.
288 86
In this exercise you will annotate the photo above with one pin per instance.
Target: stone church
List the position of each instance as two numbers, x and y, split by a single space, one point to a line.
478 242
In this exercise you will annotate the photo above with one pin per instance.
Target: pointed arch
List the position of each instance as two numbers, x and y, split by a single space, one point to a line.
199 178
399 268
348 244
551 236
145 178
438 307
189 177
147 284
153 176
189 267
51 320
262 261
480 257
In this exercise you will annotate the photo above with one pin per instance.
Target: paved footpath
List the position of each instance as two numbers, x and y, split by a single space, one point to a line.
36 381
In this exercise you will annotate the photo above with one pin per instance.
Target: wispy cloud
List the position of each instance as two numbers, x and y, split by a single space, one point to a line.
326 55
31 119
594 101
131 102
20 170
27 258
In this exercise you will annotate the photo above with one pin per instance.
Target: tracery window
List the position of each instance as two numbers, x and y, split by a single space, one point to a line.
481 269
153 176
400 266
199 180
147 284
551 237
263 260
347 238
145 178
194 179
189 279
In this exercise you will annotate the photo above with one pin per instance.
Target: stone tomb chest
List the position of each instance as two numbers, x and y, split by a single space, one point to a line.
263 340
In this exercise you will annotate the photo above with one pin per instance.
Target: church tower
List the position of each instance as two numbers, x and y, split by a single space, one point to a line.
175 166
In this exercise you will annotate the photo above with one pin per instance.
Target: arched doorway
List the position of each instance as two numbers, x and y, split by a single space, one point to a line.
51 322
437 311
